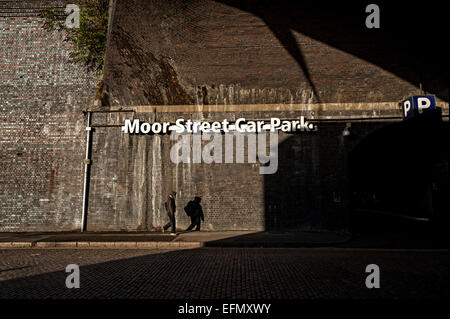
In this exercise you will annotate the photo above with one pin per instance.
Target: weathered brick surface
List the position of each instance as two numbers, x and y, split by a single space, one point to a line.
200 53
132 175
41 123
244 52
217 53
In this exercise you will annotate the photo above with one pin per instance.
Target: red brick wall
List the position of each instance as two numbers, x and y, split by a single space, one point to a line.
239 52
41 124
199 52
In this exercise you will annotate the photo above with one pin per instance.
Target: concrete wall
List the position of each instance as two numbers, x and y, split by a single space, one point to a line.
42 132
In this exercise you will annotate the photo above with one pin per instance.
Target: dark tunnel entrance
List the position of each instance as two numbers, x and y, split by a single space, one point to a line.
382 177
398 179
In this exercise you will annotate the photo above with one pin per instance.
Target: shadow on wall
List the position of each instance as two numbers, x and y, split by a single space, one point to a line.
403 169
307 192
398 46
324 179
217 52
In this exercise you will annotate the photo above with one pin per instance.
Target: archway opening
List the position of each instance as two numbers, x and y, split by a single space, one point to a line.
398 179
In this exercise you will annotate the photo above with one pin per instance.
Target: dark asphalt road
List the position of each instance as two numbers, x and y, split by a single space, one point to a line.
217 273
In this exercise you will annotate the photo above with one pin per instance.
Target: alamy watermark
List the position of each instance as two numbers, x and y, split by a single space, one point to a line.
373 279
373 19
73 279
73 18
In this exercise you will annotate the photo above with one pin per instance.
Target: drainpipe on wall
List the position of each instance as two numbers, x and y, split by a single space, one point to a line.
87 160
111 11
87 163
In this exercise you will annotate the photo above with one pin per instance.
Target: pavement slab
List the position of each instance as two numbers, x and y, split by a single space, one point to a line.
183 240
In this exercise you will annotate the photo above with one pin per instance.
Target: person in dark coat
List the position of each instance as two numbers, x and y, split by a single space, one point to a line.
195 212
171 209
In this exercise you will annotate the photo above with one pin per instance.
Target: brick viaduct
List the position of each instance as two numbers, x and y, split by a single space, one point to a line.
205 60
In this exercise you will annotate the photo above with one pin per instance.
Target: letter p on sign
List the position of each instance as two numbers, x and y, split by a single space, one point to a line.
423 103
406 108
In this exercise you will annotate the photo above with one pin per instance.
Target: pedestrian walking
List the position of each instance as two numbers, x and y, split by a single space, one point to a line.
171 209
194 210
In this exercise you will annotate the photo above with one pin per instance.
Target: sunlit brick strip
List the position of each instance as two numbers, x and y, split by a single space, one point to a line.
370 109
102 245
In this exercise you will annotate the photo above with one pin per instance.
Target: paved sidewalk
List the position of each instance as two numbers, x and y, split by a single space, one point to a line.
223 273
157 240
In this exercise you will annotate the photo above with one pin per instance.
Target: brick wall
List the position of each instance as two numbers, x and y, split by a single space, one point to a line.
167 53
213 53
132 174
239 52
41 124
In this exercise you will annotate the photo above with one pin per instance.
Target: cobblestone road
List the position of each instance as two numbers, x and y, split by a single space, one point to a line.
223 273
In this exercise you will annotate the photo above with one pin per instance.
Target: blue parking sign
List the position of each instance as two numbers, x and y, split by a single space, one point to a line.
417 104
